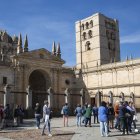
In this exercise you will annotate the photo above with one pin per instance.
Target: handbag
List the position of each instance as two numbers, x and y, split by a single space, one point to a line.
62 112
127 115
135 118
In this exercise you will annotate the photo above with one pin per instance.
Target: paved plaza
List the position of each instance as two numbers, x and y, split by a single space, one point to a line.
72 132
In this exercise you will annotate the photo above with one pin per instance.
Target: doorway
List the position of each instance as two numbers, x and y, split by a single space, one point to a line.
92 101
39 82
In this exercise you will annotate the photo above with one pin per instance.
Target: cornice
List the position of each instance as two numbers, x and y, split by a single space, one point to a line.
114 86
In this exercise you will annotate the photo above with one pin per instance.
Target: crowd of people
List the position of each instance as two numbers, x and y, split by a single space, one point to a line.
10 117
83 114
120 116
122 113
125 115
19 114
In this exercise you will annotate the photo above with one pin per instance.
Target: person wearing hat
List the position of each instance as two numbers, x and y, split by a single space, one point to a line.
37 115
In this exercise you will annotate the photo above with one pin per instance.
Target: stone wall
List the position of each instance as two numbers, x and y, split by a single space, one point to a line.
116 77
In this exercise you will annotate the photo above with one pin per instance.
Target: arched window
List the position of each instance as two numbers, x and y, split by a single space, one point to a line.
107 34
87 25
106 23
41 56
112 50
113 36
91 24
82 27
84 36
109 46
87 46
112 25
89 34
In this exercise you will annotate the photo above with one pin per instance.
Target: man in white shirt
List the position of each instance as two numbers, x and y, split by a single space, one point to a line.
46 111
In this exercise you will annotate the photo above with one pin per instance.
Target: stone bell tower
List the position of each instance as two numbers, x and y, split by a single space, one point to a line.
97 41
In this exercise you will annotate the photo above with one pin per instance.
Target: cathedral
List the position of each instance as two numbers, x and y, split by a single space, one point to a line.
28 77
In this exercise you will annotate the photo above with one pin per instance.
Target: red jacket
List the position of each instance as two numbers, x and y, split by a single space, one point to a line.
116 110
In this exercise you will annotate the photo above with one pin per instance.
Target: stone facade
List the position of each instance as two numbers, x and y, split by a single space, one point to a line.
27 77
33 76
97 41
99 61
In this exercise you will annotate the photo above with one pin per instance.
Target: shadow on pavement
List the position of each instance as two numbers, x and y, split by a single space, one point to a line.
71 133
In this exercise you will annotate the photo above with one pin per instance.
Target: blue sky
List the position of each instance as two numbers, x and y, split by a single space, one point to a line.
45 21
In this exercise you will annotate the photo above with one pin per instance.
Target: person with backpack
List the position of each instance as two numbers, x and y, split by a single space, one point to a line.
95 113
65 114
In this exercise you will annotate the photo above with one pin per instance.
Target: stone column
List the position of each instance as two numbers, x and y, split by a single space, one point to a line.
98 98
50 97
67 96
82 96
8 99
29 98
110 95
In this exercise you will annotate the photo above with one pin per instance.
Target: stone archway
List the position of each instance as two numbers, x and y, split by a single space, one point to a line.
39 82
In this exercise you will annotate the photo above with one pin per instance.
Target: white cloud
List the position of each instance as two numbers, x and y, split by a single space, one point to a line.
42 31
133 38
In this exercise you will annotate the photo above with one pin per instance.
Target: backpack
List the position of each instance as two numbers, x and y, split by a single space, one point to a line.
111 111
65 110
75 111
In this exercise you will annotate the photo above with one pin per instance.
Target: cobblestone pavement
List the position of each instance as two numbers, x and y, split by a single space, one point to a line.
71 132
